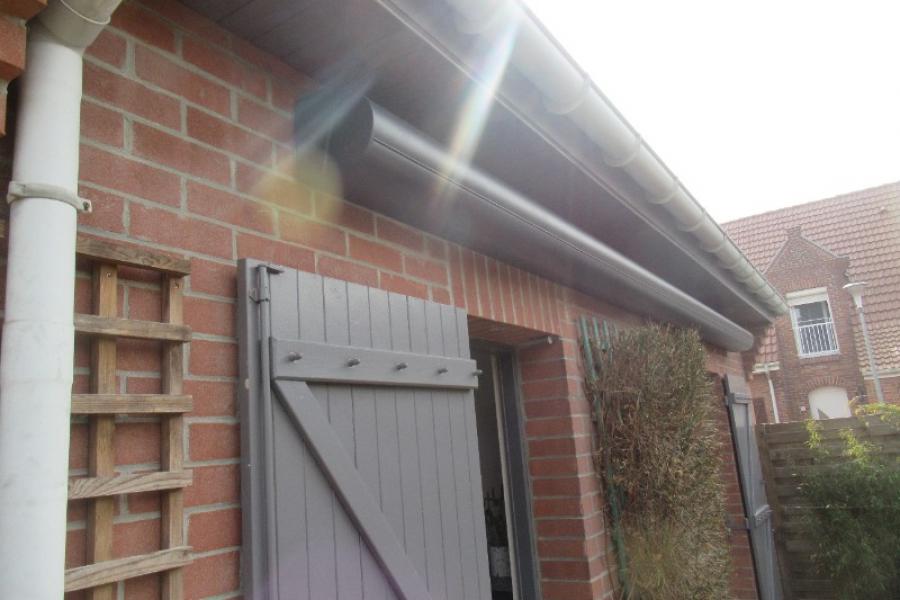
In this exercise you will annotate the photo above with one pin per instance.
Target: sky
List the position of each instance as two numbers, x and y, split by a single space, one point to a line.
753 105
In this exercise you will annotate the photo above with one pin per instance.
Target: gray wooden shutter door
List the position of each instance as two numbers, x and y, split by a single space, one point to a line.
753 488
361 475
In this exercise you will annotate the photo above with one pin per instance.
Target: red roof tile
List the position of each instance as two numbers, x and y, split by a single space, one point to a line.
864 226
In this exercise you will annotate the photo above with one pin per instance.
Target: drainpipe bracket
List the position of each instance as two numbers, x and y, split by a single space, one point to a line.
21 191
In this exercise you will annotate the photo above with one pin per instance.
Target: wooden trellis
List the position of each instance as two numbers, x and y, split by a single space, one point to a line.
101 406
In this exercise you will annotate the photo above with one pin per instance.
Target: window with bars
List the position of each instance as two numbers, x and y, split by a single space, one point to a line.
813 324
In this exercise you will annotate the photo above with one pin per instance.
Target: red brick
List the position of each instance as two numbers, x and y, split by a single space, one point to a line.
142 588
144 304
213 485
102 125
191 21
560 507
230 208
215 62
211 441
550 388
564 446
137 443
109 47
493 279
266 121
159 70
441 295
12 50
565 569
107 210
143 385
575 527
346 270
484 293
212 575
213 278
436 248
24 9
566 486
227 137
344 214
468 270
144 25
402 285
131 96
212 398
209 316
285 92
251 246
557 467
312 234
401 235
273 187
423 268
136 537
213 358
164 227
78 439
456 281
546 369
174 152
551 427
128 176
376 254
215 529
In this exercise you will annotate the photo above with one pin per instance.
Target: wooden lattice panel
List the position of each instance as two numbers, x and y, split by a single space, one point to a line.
103 484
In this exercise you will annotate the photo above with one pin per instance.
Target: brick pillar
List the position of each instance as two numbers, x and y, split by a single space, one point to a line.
568 505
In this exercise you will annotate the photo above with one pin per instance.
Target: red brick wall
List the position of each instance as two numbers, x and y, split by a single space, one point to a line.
13 15
186 149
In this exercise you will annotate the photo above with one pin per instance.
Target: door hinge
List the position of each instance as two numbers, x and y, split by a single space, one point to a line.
260 292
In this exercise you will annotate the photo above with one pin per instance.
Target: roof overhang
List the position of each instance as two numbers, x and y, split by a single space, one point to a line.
425 63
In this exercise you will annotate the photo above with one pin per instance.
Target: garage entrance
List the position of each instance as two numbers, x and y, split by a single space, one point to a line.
360 476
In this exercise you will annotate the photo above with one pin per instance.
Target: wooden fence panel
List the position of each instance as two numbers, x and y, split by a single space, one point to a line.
786 460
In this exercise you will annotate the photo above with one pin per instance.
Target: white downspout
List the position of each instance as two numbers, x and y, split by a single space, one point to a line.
772 394
38 332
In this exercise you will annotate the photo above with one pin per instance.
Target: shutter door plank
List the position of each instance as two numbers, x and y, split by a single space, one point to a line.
307 415
431 497
291 463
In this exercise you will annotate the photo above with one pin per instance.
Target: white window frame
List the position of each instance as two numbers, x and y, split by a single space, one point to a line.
811 296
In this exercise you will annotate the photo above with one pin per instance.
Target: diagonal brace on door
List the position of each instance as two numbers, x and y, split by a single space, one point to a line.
306 414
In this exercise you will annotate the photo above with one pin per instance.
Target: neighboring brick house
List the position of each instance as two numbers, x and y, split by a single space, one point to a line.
187 150
815 357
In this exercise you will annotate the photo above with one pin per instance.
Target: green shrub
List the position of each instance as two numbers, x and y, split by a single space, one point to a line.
854 523
659 455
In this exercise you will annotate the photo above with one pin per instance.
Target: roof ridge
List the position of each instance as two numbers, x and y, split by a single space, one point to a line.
867 190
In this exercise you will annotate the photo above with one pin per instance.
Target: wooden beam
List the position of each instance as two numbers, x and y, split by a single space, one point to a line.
101 453
110 571
98 487
116 253
130 404
128 328
172 449
119 253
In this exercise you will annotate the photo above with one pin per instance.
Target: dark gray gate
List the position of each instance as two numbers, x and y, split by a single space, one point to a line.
360 475
753 488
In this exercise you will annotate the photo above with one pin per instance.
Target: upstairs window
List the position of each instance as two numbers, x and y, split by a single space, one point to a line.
813 325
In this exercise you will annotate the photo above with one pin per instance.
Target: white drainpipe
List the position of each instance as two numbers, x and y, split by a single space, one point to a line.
772 394
38 333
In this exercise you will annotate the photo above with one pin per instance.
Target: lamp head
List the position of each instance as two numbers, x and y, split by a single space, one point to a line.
856 290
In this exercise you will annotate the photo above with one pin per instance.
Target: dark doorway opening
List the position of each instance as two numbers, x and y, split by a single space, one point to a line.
504 475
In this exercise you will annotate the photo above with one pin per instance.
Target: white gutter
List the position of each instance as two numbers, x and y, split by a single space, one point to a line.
38 332
567 91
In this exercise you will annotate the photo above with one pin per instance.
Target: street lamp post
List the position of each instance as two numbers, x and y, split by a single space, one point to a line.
856 290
